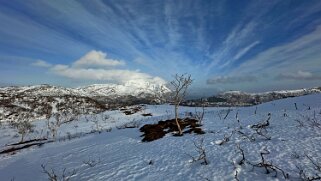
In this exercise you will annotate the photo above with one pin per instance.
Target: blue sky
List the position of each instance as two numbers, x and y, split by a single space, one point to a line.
225 45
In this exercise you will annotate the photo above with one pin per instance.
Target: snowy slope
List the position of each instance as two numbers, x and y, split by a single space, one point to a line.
129 88
120 154
239 98
41 100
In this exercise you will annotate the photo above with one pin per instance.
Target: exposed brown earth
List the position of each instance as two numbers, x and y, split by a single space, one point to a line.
156 131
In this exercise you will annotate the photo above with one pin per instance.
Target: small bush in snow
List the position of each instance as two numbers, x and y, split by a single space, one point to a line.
23 127
200 148
304 175
91 162
54 123
268 166
52 175
199 115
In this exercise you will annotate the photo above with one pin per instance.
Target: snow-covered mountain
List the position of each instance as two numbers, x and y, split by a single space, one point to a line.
131 88
43 100
127 89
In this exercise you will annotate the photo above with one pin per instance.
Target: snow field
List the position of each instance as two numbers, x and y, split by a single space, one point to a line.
120 154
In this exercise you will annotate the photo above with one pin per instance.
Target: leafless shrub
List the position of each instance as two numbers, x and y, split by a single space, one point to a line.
226 138
246 136
200 149
54 123
199 115
97 126
91 162
241 151
262 124
23 126
311 122
300 123
316 167
303 175
263 132
53 126
315 122
268 166
222 114
260 128
295 155
52 175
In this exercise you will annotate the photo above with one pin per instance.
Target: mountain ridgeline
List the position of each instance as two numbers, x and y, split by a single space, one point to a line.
238 98
43 101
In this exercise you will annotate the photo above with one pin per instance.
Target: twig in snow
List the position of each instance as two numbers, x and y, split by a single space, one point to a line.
200 148
52 176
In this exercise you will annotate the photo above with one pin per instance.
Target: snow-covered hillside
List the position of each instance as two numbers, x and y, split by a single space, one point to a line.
128 88
289 147
42 100
239 98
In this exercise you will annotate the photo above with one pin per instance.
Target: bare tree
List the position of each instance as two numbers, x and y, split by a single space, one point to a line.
179 88
54 123
23 126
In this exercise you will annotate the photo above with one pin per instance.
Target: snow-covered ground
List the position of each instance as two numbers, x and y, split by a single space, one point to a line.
120 155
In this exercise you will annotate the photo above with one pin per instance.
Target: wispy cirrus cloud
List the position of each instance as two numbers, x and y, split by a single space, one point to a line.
231 79
245 50
237 38
303 52
161 38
